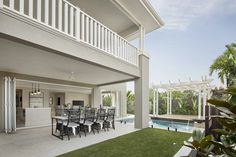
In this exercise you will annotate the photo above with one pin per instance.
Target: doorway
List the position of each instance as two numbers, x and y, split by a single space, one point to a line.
20 112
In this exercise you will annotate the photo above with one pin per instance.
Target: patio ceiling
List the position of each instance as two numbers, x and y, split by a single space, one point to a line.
24 59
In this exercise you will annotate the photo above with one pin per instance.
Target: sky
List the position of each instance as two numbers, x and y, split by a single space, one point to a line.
194 34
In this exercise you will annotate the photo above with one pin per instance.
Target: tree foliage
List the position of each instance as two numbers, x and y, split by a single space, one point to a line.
107 100
225 65
130 102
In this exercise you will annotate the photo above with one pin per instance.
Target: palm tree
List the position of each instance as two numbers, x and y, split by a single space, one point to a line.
225 65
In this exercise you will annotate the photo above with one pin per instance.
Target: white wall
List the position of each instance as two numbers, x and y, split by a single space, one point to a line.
25 97
70 96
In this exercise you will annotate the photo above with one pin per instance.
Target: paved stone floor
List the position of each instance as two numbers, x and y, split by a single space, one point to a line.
39 142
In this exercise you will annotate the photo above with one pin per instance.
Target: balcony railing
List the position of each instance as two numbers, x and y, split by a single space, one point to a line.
68 19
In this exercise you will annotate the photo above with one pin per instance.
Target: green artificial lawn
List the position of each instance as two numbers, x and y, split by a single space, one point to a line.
148 142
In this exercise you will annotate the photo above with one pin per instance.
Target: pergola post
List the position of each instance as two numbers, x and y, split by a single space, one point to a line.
170 102
157 102
199 104
167 108
154 103
204 101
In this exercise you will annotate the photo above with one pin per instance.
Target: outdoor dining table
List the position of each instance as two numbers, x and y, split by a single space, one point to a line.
62 119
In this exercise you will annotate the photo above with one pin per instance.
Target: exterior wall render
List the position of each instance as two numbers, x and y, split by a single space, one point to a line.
142 94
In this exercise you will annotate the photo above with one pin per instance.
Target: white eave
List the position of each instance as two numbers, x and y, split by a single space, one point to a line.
152 12
140 12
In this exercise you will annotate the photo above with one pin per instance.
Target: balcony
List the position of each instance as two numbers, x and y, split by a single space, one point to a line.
67 19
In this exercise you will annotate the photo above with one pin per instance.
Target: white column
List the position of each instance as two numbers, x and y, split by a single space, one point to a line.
167 103
141 38
96 97
170 103
154 102
199 104
117 104
157 102
123 102
142 87
142 94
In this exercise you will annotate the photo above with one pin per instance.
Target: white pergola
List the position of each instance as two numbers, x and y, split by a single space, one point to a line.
203 88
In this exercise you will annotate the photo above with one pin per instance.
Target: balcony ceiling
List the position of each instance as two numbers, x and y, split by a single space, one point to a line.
25 59
108 14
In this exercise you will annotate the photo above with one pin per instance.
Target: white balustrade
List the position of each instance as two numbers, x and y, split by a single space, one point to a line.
68 19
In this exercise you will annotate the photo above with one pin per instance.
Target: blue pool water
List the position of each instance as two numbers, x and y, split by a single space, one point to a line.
180 126
165 124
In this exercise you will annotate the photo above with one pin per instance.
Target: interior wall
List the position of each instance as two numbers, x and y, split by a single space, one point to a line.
53 104
70 96
26 99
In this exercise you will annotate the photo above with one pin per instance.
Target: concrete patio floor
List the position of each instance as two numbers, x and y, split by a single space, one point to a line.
39 142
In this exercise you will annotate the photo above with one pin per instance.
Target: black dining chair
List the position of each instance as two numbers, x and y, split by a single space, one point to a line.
100 120
110 119
59 123
86 125
72 125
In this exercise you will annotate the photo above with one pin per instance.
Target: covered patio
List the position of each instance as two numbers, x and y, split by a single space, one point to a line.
39 142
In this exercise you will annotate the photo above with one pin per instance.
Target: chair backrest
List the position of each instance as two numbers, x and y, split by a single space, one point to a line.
61 112
111 114
101 114
89 114
73 116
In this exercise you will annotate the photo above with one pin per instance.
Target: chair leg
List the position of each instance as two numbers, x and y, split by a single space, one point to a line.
68 133
113 125
93 130
84 129
98 127
104 126
78 131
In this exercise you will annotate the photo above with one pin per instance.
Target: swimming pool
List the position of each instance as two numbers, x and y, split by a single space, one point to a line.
172 125
165 124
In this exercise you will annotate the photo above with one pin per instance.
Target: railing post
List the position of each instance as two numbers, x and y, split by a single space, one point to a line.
87 28
95 34
77 24
11 4
60 15
1 3
91 31
38 10
66 18
53 13
31 6
99 36
72 21
83 27
46 12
